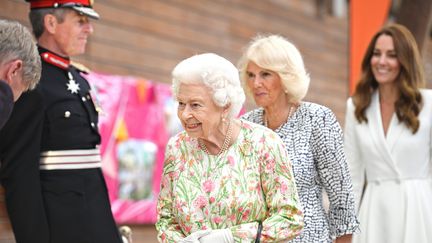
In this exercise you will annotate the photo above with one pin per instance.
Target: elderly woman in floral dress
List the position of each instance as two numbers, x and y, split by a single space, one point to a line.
225 179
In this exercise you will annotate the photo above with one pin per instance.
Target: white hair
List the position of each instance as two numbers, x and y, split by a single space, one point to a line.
215 72
16 42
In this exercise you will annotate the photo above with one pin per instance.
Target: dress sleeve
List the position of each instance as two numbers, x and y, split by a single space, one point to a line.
357 168
285 219
333 171
168 228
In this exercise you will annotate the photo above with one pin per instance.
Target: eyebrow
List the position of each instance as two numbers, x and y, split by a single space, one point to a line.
179 98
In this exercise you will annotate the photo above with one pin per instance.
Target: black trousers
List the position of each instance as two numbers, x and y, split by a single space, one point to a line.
77 207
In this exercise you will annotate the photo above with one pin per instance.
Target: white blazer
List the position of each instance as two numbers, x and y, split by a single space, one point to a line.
376 158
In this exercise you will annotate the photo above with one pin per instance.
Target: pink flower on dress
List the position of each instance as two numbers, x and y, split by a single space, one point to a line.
258 187
174 175
271 165
187 229
231 160
212 199
283 187
208 186
179 205
245 215
200 202
217 220
191 173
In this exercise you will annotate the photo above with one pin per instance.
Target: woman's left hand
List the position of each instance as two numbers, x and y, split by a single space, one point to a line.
218 236
195 236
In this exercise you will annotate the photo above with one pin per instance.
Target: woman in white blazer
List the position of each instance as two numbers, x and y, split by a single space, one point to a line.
388 137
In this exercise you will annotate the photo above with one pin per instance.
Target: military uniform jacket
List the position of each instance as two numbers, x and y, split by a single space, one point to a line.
59 115
70 115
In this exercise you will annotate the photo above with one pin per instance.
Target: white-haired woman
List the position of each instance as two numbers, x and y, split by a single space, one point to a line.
273 72
224 180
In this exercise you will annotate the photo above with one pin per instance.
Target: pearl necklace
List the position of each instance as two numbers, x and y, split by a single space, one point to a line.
291 111
225 145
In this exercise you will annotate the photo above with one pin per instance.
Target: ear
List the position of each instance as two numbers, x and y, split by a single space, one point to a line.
50 23
226 110
13 71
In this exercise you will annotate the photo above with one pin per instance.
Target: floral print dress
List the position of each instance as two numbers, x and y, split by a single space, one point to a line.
313 139
250 182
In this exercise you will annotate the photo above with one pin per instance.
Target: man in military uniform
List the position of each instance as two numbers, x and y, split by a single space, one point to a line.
64 144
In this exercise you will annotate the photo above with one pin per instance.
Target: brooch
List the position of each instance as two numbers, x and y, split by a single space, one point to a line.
72 85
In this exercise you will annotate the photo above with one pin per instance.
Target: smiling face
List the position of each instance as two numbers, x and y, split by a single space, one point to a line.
265 86
199 115
71 35
384 61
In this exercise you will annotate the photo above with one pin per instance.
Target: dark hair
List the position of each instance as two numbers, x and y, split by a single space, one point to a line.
37 16
408 82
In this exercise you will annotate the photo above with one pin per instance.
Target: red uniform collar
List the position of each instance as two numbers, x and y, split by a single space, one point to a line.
55 60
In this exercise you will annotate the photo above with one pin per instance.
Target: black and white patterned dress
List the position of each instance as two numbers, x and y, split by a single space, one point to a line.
314 141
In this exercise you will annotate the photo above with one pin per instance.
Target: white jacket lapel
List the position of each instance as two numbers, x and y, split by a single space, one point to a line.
394 131
376 129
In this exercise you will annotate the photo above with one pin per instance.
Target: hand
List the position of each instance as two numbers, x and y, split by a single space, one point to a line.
218 236
195 236
344 239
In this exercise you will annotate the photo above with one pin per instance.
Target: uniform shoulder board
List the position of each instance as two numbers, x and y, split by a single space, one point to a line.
80 67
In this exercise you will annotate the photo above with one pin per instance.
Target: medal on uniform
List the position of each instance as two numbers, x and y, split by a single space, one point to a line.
72 86
94 97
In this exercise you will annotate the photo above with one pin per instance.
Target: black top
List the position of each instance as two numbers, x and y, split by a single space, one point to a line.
71 119
6 102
